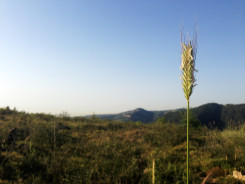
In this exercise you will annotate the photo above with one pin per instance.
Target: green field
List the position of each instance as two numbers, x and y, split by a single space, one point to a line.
41 148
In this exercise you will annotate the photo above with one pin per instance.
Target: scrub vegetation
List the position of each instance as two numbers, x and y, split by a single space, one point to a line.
42 148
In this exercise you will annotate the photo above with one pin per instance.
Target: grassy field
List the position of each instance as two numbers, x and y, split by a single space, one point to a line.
41 148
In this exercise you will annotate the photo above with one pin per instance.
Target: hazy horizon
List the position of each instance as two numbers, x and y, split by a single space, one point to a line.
106 57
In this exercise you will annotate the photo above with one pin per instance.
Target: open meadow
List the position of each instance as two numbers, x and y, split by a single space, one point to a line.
42 148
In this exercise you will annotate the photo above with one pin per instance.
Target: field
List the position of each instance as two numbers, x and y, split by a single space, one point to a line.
42 148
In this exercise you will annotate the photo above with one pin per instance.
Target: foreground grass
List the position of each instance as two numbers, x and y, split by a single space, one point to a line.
48 149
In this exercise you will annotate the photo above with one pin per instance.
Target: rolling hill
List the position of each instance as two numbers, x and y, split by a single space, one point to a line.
212 115
138 114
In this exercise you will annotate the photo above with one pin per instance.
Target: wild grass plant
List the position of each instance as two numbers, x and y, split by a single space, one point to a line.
188 58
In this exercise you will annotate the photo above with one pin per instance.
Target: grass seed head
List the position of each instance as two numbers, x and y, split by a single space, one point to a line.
188 68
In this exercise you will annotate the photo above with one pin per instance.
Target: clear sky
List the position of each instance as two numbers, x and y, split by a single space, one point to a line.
109 56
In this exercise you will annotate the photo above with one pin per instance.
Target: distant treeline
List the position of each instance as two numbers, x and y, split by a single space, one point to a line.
213 115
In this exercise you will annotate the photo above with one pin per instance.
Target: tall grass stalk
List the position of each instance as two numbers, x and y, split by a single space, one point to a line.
153 171
188 57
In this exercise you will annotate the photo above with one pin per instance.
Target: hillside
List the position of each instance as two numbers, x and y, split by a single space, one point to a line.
134 115
42 148
212 115
138 114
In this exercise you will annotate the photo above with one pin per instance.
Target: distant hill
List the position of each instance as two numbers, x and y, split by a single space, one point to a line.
212 114
138 114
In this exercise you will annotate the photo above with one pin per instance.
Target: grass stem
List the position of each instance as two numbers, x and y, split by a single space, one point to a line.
187 147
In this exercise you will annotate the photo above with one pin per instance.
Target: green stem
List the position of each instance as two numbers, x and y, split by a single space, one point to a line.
153 171
187 158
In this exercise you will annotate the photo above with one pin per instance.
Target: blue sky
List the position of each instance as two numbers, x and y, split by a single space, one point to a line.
107 56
